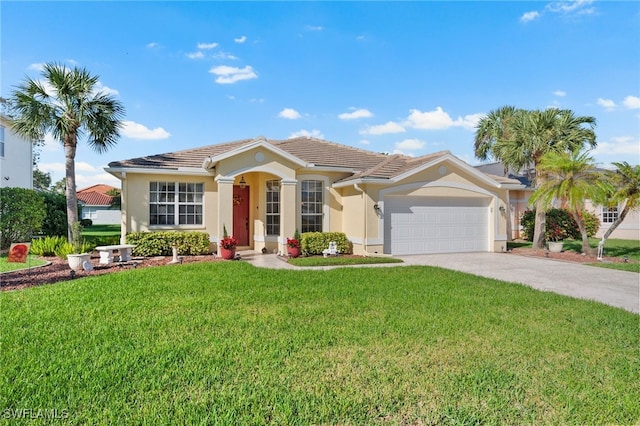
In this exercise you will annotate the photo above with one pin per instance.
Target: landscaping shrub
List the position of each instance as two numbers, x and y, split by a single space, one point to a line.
86 223
55 220
67 248
560 224
102 240
47 246
314 242
160 243
22 212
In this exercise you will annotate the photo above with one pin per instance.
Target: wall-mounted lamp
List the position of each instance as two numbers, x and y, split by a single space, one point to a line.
243 183
502 209
376 207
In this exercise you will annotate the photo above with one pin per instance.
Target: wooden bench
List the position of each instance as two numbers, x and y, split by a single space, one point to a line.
106 253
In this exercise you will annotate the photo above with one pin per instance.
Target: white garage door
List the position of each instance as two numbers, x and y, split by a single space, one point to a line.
425 225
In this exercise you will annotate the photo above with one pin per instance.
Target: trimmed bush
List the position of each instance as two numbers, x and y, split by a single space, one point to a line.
160 243
67 248
86 223
313 243
22 212
55 221
560 224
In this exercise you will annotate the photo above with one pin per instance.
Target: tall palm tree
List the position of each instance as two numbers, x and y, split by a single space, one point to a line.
625 181
571 178
519 138
67 104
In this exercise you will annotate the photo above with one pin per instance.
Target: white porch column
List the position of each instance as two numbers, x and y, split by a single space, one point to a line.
288 211
225 204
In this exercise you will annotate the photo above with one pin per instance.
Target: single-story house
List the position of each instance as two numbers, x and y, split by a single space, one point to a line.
262 190
97 205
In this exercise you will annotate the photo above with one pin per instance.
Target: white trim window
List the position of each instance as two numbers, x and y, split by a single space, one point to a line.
311 212
1 141
172 203
273 207
609 214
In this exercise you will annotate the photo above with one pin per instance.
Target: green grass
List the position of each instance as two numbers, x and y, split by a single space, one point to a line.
13 266
341 261
229 343
102 230
612 248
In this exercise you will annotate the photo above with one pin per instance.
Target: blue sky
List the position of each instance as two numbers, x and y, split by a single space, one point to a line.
408 77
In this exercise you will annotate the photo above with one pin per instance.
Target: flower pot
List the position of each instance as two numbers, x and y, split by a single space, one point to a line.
555 246
294 251
76 261
227 254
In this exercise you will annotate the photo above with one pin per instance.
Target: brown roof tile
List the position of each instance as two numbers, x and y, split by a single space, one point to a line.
92 198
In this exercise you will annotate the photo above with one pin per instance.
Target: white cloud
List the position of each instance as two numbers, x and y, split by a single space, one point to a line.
631 102
195 55
356 113
152 45
84 167
36 67
365 142
529 16
289 113
410 144
85 181
560 93
439 120
231 75
224 56
240 39
206 46
139 131
314 28
620 145
399 151
51 167
99 87
311 134
607 104
51 144
577 6
382 129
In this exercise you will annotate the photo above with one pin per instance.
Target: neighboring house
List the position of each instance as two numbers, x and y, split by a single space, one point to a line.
263 190
16 157
629 229
96 205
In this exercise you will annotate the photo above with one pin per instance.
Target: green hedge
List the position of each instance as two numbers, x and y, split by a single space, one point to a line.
560 224
161 243
313 243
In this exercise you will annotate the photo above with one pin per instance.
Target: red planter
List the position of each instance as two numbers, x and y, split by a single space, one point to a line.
294 251
227 254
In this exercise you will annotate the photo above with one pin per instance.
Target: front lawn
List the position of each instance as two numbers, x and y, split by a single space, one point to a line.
229 343
341 260
13 266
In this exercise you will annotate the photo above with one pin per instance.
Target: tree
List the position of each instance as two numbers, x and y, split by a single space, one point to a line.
625 184
68 105
116 200
41 180
519 138
22 212
570 178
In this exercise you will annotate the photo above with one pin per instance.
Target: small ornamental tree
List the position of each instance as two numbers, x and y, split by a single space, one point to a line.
22 212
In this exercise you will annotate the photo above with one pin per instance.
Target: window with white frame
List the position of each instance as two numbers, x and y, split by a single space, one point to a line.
172 203
609 214
312 205
273 207
1 141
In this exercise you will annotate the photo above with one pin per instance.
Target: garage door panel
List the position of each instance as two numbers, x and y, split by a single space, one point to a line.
423 225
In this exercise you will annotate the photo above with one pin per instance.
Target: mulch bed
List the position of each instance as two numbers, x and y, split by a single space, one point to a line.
58 270
567 256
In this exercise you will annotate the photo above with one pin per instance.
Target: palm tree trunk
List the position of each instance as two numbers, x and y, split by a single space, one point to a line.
539 226
586 248
616 222
70 191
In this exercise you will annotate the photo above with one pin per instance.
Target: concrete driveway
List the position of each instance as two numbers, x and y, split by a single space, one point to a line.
612 287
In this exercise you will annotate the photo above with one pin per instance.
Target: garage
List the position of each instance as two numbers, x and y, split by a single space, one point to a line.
428 225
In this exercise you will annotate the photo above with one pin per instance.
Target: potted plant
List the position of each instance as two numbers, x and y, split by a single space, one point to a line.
554 236
78 253
293 245
227 246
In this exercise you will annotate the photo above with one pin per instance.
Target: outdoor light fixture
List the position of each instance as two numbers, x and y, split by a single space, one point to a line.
243 183
376 207
502 209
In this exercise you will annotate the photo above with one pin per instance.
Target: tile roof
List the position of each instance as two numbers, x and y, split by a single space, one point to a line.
310 150
93 198
100 188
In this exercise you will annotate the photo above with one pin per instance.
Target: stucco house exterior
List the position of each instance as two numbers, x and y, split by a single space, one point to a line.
16 157
262 190
96 205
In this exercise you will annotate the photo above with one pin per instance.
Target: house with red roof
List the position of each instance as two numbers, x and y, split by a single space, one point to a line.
97 205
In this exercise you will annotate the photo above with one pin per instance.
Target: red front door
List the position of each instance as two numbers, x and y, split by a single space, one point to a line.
241 215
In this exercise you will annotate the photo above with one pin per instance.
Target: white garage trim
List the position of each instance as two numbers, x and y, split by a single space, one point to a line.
425 225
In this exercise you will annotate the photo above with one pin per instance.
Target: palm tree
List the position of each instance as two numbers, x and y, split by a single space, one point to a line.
520 138
67 104
571 178
625 182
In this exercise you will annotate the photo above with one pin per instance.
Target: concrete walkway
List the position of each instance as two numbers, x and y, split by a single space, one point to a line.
616 288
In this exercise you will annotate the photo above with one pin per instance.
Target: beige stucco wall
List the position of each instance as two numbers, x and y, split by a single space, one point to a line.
629 229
